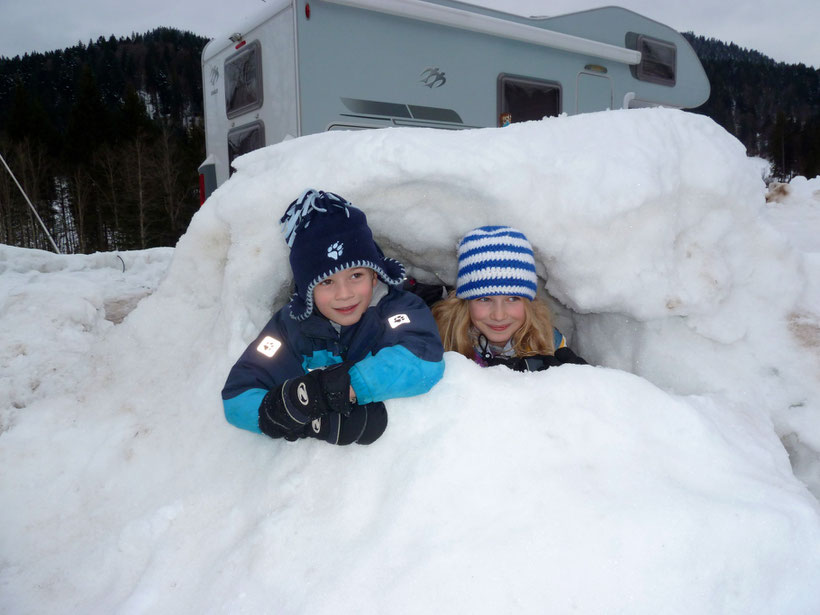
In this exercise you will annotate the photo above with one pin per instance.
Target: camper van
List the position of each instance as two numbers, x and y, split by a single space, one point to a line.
307 66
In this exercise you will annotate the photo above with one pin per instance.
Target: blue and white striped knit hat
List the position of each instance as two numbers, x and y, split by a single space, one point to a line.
495 260
326 234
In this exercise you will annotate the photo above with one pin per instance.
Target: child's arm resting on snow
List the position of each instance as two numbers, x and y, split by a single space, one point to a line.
264 366
393 372
408 360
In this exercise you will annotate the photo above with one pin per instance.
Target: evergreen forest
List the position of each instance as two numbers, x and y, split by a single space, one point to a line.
106 137
771 107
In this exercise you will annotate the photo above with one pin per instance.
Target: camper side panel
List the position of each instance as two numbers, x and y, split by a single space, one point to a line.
250 92
364 67
367 68
614 25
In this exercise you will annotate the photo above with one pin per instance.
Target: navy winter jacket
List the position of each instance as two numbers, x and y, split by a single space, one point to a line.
395 351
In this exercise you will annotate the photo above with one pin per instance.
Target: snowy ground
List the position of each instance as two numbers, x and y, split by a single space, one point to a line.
657 481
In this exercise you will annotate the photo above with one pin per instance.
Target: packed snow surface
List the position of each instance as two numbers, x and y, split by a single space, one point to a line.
670 477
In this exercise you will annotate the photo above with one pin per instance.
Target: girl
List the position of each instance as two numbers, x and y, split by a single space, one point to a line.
348 339
493 316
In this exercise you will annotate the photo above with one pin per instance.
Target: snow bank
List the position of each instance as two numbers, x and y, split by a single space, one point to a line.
582 488
649 228
794 209
71 301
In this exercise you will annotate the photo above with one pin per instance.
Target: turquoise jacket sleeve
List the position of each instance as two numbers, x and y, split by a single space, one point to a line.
393 372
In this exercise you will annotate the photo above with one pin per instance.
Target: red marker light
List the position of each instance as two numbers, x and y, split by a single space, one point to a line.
307 10
240 44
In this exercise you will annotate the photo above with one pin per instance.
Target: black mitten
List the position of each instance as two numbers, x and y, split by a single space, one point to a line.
276 420
363 425
318 392
540 362
376 423
284 411
565 355
514 363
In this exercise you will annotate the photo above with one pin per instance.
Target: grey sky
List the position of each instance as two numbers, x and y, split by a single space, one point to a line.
785 31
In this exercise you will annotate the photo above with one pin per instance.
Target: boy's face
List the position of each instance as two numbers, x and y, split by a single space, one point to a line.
344 296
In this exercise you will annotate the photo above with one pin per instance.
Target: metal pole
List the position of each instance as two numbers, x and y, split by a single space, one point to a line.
25 196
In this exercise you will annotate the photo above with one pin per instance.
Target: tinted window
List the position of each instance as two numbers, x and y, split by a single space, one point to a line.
658 60
243 140
522 100
243 81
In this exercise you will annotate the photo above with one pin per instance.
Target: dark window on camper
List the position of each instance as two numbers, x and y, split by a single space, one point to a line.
521 99
658 59
243 80
243 140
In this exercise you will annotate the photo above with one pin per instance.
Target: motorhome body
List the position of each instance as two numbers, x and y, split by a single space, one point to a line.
302 67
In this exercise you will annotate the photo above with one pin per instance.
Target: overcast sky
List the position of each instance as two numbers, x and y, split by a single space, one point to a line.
786 30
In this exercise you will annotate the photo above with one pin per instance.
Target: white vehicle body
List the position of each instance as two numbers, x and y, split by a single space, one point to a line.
302 67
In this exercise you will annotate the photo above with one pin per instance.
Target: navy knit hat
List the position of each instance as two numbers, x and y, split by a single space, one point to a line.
495 260
326 234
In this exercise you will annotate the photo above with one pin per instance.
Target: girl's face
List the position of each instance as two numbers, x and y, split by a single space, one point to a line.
345 296
498 317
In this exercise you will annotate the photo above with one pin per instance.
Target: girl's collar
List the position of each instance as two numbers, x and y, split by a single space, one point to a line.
488 350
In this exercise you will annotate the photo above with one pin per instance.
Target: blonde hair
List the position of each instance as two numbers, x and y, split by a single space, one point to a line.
534 337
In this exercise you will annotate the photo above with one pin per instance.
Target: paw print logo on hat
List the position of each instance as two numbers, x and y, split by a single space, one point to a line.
335 250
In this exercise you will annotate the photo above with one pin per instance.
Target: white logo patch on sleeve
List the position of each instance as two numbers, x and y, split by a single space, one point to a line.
398 320
268 346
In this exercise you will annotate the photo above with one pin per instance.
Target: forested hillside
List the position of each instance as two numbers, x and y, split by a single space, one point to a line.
106 137
772 107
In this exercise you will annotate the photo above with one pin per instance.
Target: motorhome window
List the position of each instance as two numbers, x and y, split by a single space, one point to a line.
522 99
243 80
658 60
244 139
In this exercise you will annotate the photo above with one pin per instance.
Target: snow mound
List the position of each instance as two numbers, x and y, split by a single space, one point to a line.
794 209
74 300
585 488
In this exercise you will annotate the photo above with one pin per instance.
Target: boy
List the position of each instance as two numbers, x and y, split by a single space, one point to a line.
347 340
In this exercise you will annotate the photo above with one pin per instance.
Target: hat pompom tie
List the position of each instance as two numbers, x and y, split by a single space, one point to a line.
299 213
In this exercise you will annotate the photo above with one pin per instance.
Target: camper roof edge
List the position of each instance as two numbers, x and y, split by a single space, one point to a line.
465 20
247 23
